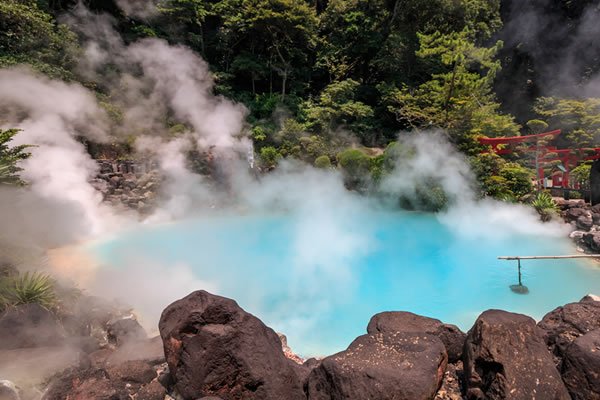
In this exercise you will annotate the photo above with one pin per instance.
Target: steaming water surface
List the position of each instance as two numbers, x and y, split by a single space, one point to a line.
404 261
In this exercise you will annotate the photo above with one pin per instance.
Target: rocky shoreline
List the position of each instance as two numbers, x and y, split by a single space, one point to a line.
210 348
584 220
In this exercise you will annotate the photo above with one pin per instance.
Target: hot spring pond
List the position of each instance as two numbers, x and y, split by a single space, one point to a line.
319 283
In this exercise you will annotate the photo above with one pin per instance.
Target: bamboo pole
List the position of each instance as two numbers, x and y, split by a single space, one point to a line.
548 257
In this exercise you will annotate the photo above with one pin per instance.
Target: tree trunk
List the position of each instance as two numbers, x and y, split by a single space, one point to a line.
450 93
283 83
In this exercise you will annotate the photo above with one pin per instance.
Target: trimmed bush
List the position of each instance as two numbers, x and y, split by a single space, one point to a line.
355 165
323 162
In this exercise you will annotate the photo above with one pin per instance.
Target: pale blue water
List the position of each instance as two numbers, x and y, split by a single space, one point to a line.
402 261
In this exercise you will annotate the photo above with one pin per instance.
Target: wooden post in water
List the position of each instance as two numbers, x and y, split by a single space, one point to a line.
522 289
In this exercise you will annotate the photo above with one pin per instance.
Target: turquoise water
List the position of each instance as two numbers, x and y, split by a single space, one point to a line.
320 284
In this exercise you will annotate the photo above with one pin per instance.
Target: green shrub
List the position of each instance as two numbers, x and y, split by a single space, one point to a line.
27 288
499 178
323 162
355 165
518 178
377 167
545 206
581 174
269 156
353 161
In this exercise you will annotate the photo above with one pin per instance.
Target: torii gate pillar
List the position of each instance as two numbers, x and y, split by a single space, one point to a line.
595 183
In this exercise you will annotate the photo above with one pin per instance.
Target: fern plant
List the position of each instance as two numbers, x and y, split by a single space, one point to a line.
545 205
10 157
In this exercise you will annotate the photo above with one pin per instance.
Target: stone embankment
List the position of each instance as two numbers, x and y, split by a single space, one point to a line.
585 223
210 348
129 184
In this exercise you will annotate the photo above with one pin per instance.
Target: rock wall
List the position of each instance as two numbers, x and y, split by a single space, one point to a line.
130 184
210 348
585 223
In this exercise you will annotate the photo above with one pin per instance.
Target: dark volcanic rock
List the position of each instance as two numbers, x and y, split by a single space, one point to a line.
152 391
213 347
129 372
400 321
98 389
382 366
505 357
581 367
585 222
592 240
566 323
125 330
452 383
572 214
134 373
590 297
29 325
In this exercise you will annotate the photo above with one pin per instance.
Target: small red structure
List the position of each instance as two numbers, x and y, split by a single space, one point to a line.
569 158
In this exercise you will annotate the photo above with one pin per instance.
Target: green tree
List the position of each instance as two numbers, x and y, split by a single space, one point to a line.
375 40
501 179
458 99
578 118
581 174
10 158
183 21
30 36
269 157
274 36
337 106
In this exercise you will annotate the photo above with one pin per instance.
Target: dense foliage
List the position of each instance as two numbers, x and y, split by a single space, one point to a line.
10 157
326 80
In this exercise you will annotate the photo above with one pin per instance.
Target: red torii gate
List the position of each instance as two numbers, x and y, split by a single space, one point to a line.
546 154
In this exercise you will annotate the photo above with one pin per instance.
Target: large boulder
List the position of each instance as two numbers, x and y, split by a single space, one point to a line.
382 366
401 321
29 325
581 367
505 357
214 348
565 324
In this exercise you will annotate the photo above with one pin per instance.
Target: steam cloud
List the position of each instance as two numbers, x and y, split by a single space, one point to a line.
153 81
561 43
142 9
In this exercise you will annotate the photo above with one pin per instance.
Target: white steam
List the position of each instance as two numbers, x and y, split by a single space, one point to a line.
181 80
154 82
142 9
52 116
560 53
